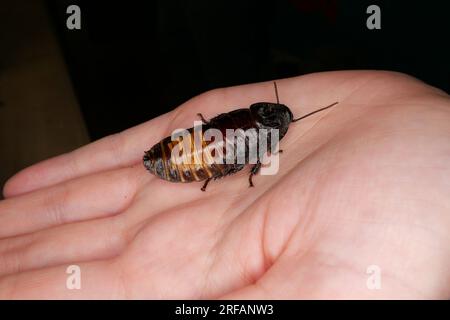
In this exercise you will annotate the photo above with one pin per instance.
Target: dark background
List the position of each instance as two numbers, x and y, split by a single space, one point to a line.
134 60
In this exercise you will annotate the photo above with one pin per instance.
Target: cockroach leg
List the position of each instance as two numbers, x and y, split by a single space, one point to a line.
202 118
254 171
205 184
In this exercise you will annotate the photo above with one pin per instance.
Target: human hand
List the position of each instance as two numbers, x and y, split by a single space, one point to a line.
364 183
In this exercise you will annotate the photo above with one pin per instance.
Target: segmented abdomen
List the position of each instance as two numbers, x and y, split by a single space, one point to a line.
197 165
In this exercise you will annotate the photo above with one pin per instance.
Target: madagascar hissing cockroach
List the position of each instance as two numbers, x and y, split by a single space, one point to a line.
260 115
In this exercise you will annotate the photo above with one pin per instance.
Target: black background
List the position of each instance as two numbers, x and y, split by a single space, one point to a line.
282 309
134 60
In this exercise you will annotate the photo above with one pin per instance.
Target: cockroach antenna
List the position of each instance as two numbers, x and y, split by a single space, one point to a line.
276 91
311 113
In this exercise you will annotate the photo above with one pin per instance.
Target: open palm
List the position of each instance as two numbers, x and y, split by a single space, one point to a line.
363 185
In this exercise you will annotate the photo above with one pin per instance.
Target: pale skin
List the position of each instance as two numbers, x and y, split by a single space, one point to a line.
364 183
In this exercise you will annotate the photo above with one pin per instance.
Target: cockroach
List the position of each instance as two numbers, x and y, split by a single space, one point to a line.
260 115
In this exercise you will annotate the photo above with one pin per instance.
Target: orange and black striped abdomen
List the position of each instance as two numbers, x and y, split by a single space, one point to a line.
159 160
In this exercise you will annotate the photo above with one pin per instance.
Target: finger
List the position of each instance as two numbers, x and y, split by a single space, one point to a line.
115 151
82 241
301 94
98 280
100 195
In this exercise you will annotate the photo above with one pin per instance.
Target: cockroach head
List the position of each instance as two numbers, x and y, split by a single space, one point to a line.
272 116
